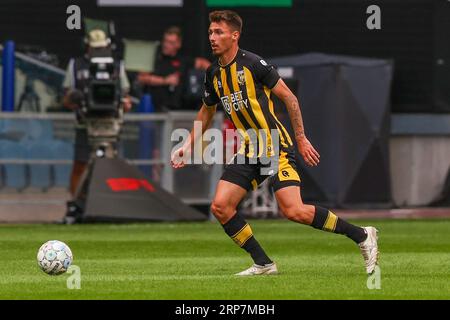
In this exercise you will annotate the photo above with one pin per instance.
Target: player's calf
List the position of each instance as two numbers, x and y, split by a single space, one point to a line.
303 214
222 211
326 220
241 233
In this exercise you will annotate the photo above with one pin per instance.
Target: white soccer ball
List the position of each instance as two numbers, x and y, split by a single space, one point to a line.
54 257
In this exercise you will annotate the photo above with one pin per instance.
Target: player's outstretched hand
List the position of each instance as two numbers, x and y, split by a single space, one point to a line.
178 158
309 154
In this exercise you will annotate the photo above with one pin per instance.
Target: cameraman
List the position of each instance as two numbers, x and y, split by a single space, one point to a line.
75 83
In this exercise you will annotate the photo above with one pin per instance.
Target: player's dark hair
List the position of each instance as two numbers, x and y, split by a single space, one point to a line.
230 17
174 30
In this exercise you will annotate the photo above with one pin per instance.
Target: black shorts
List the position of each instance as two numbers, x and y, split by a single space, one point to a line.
248 175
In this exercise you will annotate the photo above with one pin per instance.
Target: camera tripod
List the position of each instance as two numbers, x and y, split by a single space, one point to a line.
103 136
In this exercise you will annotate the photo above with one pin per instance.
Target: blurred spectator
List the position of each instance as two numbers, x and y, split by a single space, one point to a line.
75 82
167 83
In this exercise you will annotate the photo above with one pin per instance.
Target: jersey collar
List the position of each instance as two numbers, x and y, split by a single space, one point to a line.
232 61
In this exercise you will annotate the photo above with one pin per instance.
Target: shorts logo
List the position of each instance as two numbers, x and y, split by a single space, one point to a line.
241 77
285 173
263 63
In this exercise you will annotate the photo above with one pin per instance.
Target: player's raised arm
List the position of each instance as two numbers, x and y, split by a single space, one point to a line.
205 115
309 154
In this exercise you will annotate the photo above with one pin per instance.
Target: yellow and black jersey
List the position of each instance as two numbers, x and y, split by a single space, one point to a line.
243 88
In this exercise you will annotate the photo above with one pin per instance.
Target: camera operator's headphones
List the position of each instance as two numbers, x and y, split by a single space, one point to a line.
98 33
97 38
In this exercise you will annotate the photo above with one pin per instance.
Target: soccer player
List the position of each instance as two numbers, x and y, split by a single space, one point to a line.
243 83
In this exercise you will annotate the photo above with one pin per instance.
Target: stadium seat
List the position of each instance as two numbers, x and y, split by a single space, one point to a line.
62 150
26 129
15 129
41 130
40 174
15 175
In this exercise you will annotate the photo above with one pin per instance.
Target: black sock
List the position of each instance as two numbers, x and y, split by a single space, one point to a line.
326 220
241 233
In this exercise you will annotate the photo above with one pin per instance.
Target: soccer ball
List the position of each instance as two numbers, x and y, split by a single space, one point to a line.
54 257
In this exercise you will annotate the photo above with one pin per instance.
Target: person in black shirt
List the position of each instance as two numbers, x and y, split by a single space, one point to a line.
167 82
243 83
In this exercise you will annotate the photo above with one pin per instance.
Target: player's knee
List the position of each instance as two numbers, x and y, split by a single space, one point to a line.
216 207
220 209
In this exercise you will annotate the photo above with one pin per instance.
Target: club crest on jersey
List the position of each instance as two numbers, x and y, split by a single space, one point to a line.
241 77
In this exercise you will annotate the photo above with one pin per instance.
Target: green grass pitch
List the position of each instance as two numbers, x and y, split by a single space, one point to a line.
197 261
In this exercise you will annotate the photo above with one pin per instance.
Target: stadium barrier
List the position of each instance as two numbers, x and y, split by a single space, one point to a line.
419 158
36 151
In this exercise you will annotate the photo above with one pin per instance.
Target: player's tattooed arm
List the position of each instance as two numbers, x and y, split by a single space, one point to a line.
309 154
295 115
290 100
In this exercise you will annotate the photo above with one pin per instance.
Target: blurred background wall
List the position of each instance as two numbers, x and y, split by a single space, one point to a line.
413 37
414 34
